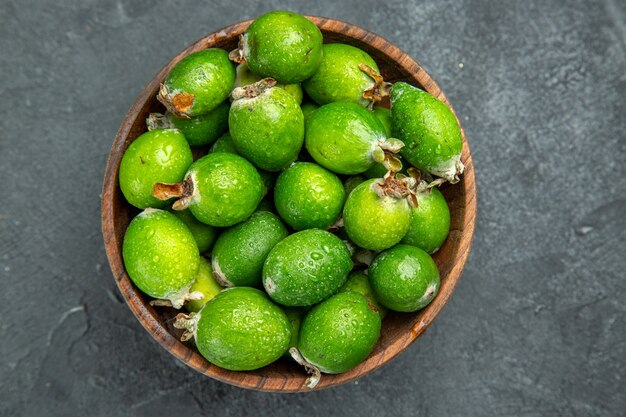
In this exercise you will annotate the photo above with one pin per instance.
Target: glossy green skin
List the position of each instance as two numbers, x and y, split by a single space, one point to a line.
268 129
430 221
204 234
241 330
359 282
246 77
339 77
204 283
204 129
307 109
374 222
224 144
384 115
427 127
283 45
339 333
306 268
341 136
208 75
227 189
295 316
240 252
351 183
405 278
308 197
161 155
160 254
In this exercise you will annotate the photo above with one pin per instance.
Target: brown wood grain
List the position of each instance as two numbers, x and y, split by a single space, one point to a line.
399 329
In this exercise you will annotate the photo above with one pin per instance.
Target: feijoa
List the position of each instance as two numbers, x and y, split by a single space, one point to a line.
240 251
384 115
220 189
308 196
205 284
430 221
306 268
429 130
204 234
161 256
359 282
157 156
307 109
198 83
239 330
224 144
351 183
266 125
247 77
405 278
282 45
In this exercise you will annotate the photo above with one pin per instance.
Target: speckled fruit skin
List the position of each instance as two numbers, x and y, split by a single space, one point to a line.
268 129
339 77
224 144
307 109
204 129
242 330
227 189
430 221
351 183
341 136
384 115
405 278
207 75
306 268
240 251
160 254
373 222
428 128
204 283
339 333
246 77
308 197
359 282
158 156
283 45
204 234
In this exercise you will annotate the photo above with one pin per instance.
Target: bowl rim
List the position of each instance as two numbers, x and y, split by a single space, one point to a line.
292 382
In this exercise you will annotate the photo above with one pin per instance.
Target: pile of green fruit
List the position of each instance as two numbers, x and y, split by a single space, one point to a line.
306 220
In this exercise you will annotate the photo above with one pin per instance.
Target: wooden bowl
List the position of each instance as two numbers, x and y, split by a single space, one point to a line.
399 329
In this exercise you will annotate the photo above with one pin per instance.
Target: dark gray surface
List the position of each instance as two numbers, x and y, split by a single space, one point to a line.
537 324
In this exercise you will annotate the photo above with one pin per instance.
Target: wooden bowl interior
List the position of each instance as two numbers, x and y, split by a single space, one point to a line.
399 329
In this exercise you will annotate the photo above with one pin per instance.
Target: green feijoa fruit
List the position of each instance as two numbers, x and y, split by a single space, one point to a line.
308 197
240 251
266 205
405 278
224 144
339 333
351 183
346 73
161 256
359 282
239 330
204 234
348 139
247 77
282 45
157 156
430 221
198 83
205 284
429 130
306 268
199 130
220 189
307 109
266 125
384 115
295 316
377 213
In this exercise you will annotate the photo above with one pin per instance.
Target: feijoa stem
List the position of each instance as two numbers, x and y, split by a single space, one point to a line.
159 121
182 190
311 369
379 90
254 89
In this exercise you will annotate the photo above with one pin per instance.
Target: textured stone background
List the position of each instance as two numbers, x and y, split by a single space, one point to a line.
537 325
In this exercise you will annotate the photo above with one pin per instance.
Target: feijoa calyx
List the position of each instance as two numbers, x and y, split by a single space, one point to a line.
220 189
239 330
161 256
